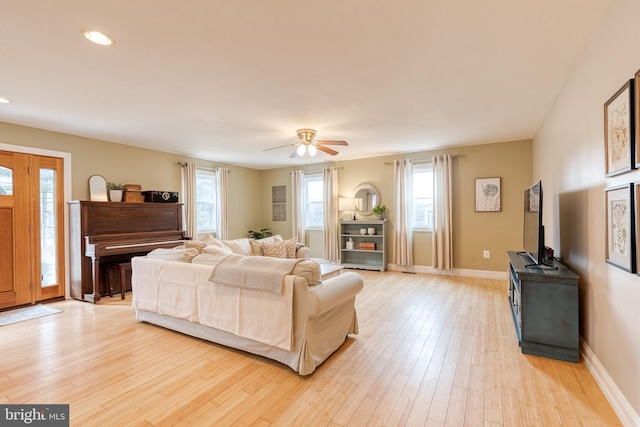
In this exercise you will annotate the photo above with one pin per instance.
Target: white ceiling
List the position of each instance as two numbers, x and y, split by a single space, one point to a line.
225 80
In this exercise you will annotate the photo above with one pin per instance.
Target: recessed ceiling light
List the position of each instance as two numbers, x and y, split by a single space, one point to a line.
5 100
98 38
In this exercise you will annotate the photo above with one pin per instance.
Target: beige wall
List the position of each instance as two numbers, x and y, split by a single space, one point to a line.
569 158
154 170
473 231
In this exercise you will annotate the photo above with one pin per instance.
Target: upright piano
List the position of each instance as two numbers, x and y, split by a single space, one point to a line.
101 233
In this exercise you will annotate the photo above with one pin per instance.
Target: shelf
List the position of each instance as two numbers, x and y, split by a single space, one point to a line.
363 258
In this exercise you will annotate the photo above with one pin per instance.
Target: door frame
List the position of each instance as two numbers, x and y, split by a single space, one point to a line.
66 157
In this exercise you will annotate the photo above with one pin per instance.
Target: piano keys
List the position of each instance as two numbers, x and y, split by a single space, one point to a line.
109 232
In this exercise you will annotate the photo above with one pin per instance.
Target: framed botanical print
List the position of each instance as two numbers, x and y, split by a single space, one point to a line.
636 118
620 225
488 195
619 131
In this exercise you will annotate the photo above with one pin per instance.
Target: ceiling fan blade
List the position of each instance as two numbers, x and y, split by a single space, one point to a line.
280 146
326 149
332 142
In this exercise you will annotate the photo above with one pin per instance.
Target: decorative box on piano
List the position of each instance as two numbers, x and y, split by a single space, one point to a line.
133 193
368 246
161 196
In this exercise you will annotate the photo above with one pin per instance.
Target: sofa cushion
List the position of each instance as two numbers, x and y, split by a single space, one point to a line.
256 245
276 249
308 270
174 254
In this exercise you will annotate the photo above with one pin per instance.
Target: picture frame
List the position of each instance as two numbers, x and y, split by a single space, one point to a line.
636 218
620 227
636 118
487 195
620 131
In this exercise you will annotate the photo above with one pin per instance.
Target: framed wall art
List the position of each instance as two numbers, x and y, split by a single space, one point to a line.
636 113
620 225
619 131
488 195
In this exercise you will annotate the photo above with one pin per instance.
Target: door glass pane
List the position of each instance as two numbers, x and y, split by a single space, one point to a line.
48 242
6 181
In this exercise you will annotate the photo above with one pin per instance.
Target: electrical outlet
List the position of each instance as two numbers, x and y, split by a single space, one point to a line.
486 254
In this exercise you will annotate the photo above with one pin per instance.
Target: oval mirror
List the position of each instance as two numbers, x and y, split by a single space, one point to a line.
366 198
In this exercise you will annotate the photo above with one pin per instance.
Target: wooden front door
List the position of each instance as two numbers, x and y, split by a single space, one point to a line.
31 229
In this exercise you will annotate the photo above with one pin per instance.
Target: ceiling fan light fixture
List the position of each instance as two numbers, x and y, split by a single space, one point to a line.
5 100
98 38
301 149
312 150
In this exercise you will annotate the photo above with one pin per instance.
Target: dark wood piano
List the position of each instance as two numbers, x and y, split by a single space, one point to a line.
101 233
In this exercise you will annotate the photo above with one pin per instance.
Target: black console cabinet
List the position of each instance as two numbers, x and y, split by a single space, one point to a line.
544 305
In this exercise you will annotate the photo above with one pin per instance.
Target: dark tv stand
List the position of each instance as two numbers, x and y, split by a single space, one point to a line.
544 305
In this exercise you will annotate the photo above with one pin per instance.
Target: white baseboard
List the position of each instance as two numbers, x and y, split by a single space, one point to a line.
620 405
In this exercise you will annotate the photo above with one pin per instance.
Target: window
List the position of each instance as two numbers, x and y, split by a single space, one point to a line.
422 197
313 201
6 181
206 201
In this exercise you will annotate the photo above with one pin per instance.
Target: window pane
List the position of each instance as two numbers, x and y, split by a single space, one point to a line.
6 181
205 201
314 205
422 197
48 244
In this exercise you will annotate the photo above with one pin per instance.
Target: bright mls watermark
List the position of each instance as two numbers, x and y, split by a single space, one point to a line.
34 415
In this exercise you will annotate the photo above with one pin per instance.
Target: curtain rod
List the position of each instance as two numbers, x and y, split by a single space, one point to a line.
182 164
337 167
453 156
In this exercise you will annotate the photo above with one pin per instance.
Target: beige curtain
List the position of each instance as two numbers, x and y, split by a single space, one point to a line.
297 205
189 199
403 201
330 202
442 212
222 203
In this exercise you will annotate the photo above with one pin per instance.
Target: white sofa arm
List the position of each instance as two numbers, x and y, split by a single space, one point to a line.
303 252
333 292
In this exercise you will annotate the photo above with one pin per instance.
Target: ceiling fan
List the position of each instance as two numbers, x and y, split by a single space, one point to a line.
307 145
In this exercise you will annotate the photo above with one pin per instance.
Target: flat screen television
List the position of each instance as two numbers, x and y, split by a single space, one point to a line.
533 236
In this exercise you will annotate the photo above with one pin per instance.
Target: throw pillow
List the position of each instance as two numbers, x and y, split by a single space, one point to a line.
276 249
290 246
256 245
195 244
217 250
239 246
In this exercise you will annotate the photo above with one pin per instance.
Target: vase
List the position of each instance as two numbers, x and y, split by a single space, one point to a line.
371 231
363 231
380 216
115 195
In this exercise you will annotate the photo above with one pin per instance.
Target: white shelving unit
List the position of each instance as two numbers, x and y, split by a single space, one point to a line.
367 259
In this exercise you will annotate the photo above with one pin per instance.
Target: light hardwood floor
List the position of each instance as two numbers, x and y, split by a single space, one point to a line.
431 351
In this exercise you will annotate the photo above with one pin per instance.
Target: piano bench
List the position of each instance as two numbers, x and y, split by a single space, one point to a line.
120 275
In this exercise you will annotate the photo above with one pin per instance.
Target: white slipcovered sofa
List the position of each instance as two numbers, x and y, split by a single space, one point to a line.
246 303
